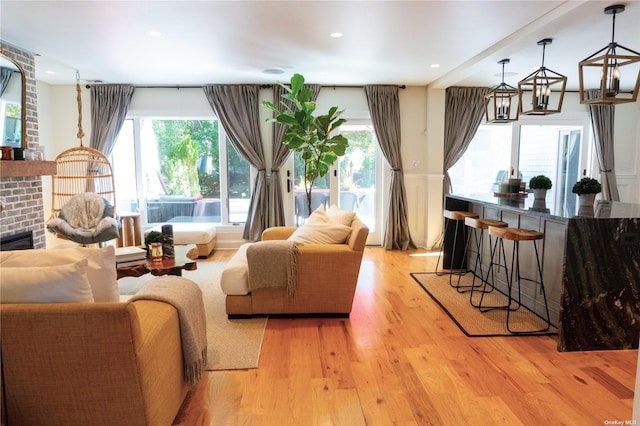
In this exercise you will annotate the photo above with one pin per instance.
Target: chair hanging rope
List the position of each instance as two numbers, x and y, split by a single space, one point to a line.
79 98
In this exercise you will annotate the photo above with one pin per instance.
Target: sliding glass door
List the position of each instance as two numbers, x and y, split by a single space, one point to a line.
351 184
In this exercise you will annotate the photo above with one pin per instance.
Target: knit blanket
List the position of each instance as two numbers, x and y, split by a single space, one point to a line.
186 297
86 218
273 263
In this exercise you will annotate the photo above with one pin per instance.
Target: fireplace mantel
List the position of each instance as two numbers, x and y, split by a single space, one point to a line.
27 168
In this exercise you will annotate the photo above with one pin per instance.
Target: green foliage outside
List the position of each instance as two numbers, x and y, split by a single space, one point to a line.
179 145
190 159
357 168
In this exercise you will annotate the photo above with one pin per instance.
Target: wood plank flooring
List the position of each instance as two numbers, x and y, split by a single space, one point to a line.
400 360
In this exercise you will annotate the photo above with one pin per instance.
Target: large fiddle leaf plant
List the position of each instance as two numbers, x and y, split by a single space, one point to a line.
306 133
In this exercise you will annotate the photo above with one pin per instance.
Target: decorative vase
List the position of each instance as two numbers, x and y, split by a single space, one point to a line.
586 200
539 194
539 204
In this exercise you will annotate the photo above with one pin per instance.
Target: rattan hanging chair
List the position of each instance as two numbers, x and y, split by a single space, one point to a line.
81 170
83 176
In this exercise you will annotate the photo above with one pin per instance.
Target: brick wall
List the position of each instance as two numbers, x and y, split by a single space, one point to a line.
21 197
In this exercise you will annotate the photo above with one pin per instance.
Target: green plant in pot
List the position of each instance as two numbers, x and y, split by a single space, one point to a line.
152 237
308 134
540 184
587 188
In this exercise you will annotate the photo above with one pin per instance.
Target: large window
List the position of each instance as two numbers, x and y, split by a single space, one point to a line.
183 170
558 151
485 163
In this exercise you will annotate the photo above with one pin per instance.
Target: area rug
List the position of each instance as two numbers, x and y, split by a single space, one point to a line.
469 319
232 344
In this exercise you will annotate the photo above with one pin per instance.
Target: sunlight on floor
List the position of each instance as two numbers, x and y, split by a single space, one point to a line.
431 253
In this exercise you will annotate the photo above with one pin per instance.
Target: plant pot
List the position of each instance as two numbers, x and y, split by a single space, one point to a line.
586 200
539 194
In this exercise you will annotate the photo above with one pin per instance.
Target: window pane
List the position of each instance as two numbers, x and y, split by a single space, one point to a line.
180 169
358 173
553 151
319 193
485 163
123 162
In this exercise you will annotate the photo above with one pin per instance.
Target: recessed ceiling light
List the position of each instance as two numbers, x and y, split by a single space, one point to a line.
272 71
155 33
336 35
434 66
49 72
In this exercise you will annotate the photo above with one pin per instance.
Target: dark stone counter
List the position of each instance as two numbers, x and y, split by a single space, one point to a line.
599 274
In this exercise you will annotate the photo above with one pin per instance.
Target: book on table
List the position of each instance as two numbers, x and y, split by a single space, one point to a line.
131 263
127 254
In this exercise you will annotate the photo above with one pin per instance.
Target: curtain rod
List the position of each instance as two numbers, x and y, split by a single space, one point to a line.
262 86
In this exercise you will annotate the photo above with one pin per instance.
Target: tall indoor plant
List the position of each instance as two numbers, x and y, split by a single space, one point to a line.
306 133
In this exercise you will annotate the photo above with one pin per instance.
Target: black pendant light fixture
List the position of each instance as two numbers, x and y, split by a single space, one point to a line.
537 89
615 67
501 103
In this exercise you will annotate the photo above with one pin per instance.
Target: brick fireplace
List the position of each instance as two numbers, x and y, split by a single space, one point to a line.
21 196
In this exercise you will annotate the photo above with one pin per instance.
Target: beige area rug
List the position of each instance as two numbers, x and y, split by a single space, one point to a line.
471 321
232 344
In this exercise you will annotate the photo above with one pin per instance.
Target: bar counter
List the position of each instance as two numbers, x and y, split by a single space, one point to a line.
591 265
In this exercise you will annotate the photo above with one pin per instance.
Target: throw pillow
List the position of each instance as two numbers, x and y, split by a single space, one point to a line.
101 270
344 217
319 215
46 284
321 233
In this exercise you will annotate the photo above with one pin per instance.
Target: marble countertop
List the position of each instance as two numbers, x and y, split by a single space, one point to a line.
563 211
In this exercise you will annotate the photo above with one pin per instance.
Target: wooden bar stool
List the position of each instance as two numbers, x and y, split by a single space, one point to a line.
458 218
478 226
512 274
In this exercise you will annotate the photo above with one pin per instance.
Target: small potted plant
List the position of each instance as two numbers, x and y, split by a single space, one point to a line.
540 184
150 238
587 188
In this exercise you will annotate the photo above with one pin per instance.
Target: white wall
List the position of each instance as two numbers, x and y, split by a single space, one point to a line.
422 131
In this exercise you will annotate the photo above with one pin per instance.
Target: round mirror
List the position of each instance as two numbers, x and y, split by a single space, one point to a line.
12 101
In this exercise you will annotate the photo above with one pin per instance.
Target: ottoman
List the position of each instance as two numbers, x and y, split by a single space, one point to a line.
203 235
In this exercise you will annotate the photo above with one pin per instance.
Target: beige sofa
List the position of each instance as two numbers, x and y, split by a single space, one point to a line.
326 278
95 363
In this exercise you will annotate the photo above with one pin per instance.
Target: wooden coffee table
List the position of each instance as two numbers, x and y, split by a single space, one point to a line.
184 260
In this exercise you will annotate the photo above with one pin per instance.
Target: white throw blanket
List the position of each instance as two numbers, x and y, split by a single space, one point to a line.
186 297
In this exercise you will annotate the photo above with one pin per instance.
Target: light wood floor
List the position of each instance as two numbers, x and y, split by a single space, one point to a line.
400 360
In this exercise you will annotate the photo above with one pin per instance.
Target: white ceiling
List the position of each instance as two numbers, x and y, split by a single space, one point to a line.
393 42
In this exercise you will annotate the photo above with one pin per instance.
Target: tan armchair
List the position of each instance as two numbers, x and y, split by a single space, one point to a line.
326 281
91 364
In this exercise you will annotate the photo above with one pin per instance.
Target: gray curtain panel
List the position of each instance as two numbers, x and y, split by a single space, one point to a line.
464 108
236 106
384 106
602 121
109 106
5 77
280 153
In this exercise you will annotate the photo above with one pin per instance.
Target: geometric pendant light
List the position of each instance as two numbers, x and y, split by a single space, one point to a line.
617 71
501 104
536 91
